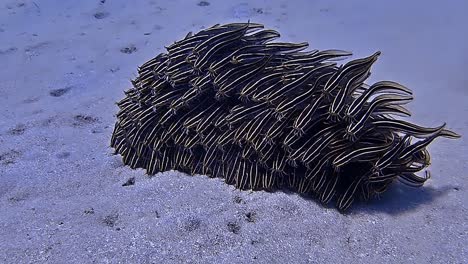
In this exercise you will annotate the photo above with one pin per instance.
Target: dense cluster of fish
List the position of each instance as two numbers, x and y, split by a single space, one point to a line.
227 102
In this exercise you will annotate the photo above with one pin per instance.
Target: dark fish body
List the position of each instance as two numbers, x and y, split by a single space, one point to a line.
228 102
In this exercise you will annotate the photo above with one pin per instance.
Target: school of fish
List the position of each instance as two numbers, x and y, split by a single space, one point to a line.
228 102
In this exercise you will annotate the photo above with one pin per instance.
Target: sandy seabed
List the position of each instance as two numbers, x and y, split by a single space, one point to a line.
65 63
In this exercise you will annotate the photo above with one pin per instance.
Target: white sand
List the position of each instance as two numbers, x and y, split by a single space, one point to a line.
61 193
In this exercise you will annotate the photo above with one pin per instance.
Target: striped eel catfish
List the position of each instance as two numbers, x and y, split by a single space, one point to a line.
229 102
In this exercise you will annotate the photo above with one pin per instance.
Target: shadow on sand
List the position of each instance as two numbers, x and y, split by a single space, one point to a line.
400 198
